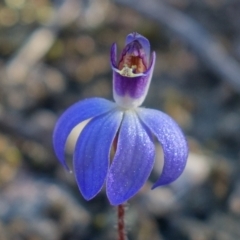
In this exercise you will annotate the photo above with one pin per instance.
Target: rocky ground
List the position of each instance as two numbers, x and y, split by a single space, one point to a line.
54 53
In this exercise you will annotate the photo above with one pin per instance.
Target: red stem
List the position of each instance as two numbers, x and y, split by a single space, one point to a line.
120 208
121 225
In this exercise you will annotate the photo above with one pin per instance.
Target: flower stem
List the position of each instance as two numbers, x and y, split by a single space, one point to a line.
121 223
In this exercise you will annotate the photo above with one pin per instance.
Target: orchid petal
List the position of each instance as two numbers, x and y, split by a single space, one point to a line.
74 115
92 152
133 160
113 56
173 143
143 41
130 92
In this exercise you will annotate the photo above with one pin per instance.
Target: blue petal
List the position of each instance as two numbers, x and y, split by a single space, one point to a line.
92 152
74 115
173 142
133 160
143 41
113 56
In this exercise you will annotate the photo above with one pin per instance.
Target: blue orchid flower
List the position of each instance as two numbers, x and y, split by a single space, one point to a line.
131 127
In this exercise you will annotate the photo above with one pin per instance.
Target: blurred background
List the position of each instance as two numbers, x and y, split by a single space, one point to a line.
54 53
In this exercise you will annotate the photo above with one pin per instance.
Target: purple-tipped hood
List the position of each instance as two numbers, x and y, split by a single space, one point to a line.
133 72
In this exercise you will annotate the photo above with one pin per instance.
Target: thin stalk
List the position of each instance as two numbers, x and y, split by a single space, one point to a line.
120 208
121 222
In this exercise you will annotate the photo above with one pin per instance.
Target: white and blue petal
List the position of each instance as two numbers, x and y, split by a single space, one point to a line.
173 143
92 152
133 161
74 115
132 74
130 92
